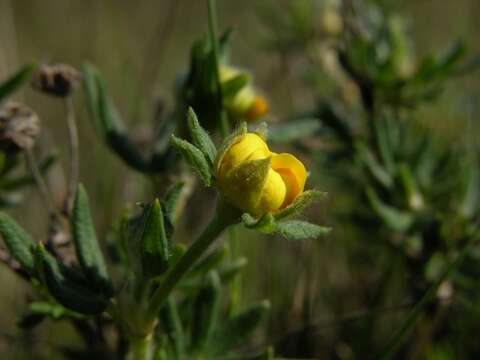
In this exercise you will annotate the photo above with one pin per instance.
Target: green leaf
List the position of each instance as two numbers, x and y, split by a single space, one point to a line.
396 219
171 201
301 203
172 326
294 130
300 230
152 235
207 309
108 123
200 137
18 242
88 251
236 330
65 289
194 158
231 87
15 81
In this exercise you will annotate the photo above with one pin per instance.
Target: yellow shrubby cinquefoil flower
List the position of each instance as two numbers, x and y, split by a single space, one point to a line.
256 180
246 103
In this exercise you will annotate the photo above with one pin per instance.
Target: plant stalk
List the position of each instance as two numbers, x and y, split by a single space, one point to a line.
224 217
74 156
40 182
140 348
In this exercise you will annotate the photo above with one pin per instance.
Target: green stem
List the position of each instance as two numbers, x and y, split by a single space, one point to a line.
224 216
140 348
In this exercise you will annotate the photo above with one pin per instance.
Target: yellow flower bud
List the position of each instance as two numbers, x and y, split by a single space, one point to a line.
246 103
257 180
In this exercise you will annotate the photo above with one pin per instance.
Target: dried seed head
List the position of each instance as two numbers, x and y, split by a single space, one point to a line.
19 127
58 80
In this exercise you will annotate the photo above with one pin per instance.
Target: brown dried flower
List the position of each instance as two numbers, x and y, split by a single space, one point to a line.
58 80
19 127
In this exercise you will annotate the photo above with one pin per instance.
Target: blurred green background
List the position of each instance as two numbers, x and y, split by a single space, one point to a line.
141 47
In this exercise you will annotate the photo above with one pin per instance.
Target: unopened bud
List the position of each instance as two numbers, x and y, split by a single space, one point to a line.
58 80
19 127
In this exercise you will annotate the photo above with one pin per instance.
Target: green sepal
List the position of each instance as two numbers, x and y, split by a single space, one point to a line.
18 242
262 130
265 224
39 310
200 137
300 230
88 251
236 330
151 233
16 80
398 220
207 309
242 129
247 180
232 86
299 204
194 158
65 289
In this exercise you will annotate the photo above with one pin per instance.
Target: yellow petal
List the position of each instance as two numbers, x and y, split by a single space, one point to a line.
248 147
293 173
272 196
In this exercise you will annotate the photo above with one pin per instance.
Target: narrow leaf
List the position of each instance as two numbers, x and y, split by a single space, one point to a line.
154 241
18 242
194 158
87 248
15 81
207 308
396 219
200 137
235 331
64 289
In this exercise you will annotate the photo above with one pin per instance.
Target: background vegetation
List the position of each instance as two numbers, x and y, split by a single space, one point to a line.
321 292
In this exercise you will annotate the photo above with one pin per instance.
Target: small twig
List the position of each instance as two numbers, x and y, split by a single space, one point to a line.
74 156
